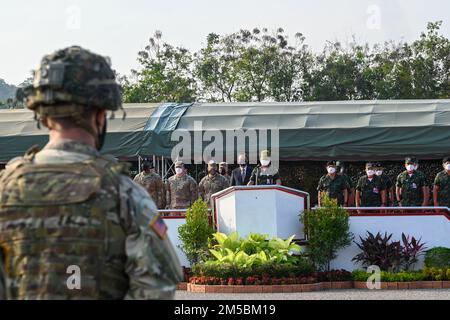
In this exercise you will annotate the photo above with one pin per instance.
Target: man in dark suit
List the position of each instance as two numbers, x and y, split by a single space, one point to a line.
241 175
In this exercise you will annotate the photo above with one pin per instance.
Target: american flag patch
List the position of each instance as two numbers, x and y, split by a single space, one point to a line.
158 225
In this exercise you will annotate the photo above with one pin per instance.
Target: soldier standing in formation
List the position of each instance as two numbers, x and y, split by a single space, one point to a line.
181 189
333 185
223 170
340 167
264 174
153 183
370 190
441 189
379 171
411 187
67 205
213 182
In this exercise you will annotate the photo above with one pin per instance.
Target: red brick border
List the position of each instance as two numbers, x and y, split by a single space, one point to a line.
338 285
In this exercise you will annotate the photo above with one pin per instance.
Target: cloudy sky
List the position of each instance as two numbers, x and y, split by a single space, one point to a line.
119 29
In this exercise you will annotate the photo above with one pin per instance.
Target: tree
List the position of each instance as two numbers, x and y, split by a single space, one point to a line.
165 74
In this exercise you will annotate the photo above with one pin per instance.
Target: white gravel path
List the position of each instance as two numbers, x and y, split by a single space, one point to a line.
424 294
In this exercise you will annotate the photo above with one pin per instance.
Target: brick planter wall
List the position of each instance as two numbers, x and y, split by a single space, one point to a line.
199 288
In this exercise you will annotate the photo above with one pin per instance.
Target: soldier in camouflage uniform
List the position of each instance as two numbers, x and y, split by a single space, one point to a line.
153 183
333 185
411 186
181 189
68 206
370 190
379 171
211 183
223 170
340 166
441 189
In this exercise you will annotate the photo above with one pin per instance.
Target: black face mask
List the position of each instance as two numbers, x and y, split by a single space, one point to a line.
101 137
222 171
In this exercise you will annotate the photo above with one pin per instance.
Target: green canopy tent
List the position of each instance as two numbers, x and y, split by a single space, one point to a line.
348 130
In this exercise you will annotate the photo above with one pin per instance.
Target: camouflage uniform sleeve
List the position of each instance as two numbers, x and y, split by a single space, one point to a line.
162 194
320 185
194 191
167 191
152 265
201 189
399 181
359 184
437 180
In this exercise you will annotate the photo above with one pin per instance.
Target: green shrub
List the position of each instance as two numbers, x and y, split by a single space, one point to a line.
403 276
256 249
195 233
327 229
437 274
438 257
227 270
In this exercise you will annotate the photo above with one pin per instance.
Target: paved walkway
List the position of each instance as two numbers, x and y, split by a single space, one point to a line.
443 294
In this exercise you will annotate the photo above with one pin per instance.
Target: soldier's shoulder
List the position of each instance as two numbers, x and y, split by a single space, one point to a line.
192 180
402 174
172 178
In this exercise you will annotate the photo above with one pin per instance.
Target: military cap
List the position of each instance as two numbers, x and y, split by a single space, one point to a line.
340 164
411 160
378 165
179 163
371 165
212 164
446 159
223 164
331 163
147 165
265 155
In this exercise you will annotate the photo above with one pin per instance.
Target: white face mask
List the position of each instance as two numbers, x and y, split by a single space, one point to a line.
410 167
331 170
370 173
447 166
179 170
265 163
379 172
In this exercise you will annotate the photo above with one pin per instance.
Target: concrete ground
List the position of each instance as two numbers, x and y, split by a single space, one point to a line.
353 294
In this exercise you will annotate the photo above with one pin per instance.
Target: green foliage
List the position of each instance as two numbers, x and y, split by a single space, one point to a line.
225 270
263 65
254 250
165 75
404 276
194 234
438 257
328 231
437 274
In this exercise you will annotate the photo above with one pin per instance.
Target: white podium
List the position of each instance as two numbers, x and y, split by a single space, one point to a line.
272 210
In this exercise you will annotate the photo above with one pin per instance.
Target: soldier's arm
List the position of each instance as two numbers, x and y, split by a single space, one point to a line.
167 191
426 196
345 196
152 265
194 191
436 195
201 189
398 190
383 198
252 180
358 194
161 194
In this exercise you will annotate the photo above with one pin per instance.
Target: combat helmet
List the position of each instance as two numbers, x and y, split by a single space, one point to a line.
69 82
